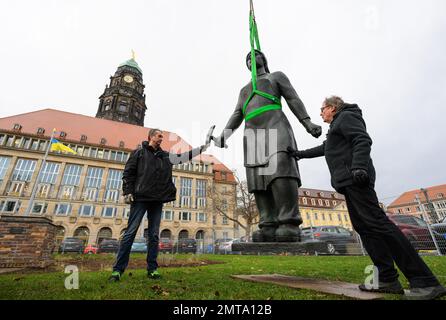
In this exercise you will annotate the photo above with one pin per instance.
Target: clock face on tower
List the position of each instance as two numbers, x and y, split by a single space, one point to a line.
128 78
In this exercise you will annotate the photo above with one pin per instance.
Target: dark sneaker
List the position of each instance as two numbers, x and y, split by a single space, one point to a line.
115 276
428 293
153 274
394 287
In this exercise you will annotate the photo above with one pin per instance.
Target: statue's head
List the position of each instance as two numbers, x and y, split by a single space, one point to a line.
260 60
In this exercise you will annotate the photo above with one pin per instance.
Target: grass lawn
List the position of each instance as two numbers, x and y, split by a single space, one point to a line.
211 281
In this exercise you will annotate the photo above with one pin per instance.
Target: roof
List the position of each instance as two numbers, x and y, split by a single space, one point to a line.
131 63
76 125
322 194
408 198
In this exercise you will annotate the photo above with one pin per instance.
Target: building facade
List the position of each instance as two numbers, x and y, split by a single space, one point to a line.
322 208
432 199
82 193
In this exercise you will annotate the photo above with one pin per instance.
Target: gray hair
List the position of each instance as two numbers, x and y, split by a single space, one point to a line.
153 131
334 101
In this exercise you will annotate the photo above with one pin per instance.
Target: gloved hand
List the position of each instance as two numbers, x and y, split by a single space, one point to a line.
360 177
312 128
128 198
295 153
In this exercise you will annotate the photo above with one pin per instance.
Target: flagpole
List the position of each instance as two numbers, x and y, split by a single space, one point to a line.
36 184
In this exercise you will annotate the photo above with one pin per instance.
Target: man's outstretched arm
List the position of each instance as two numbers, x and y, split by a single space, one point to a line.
178 158
315 152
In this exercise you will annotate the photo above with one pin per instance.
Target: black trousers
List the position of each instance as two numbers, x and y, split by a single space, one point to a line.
384 241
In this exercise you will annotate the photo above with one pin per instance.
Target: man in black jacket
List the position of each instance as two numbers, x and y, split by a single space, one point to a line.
147 184
347 152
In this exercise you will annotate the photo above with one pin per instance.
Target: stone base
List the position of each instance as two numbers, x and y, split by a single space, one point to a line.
271 248
346 289
26 242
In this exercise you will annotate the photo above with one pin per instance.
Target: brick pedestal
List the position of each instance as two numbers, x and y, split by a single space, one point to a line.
26 241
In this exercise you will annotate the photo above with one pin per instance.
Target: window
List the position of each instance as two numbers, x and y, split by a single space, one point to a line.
201 217
43 190
24 170
26 143
17 142
185 192
315 216
62 209
2 140
86 210
167 215
122 107
113 185
9 141
94 177
4 164
330 217
323 216
225 220
126 213
49 173
11 206
100 153
201 193
113 155
408 209
91 194
345 217
308 216
93 152
185 216
327 203
39 208
319 202
304 200
108 212
67 192
34 144
86 152
42 145
313 202
339 217
72 175
16 188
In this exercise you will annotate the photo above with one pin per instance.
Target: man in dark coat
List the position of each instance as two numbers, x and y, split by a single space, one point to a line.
347 152
147 184
271 173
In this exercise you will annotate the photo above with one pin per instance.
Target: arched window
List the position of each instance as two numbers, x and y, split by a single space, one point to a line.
184 234
82 233
199 235
166 234
104 233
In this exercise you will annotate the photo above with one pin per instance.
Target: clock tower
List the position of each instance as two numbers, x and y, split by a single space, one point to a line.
123 99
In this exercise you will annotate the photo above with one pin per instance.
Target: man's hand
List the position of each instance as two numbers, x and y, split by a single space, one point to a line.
219 141
360 177
128 198
312 128
294 153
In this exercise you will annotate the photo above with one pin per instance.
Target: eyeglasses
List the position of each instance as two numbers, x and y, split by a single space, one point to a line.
322 109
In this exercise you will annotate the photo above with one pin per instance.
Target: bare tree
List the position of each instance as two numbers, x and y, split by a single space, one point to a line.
243 204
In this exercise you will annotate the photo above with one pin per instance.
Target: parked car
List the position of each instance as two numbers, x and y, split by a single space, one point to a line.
186 246
336 238
91 249
417 231
220 242
440 227
139 246
226 246
165 245
71 245
108 245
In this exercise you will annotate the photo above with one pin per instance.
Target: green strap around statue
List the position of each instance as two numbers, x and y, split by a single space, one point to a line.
255 44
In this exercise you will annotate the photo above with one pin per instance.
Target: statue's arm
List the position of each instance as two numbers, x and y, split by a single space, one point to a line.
234 121
296 105
289 93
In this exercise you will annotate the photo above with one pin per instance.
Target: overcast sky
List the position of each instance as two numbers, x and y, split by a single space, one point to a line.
388 56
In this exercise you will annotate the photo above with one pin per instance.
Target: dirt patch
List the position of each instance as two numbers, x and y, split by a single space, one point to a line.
106 264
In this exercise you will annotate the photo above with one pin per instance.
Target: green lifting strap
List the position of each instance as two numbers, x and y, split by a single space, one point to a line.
255 44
